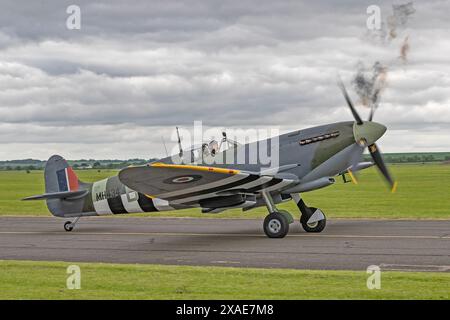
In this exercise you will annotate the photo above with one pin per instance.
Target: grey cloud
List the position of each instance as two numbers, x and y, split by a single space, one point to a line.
136 69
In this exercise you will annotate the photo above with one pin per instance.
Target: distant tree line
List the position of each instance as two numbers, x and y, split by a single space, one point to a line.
27 168
411 158
30 165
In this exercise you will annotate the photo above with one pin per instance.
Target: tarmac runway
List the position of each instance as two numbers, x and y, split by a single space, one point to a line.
344 244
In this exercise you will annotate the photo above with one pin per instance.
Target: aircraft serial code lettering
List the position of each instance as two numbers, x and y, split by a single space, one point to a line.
107 194
234 309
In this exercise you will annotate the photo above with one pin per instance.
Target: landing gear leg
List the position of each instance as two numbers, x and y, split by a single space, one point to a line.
69 225
276 224
311 219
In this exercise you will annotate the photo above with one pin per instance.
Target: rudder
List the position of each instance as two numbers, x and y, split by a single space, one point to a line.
60 178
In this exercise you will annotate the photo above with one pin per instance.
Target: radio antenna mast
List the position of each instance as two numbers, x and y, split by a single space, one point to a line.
165 148
179 144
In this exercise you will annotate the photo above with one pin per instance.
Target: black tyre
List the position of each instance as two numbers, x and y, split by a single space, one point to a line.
317 226
68 226
276 225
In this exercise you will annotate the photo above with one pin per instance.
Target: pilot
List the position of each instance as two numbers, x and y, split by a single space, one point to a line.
213 147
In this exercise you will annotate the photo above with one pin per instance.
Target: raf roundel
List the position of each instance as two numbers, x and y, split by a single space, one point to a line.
183 179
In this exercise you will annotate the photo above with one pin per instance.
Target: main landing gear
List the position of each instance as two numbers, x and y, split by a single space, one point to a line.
276 224
312 219
69 225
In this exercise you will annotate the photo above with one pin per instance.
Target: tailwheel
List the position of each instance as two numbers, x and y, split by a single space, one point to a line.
276 225
313 224
68 226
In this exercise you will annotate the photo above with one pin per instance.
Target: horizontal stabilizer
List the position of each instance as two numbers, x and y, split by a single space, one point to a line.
67 195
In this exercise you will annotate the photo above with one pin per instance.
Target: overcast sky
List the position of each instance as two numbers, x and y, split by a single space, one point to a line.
136 69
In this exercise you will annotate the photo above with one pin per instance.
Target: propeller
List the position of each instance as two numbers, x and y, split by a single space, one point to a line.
378 159
349 102
373 148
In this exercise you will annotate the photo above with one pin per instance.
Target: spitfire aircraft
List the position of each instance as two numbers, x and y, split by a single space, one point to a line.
309 159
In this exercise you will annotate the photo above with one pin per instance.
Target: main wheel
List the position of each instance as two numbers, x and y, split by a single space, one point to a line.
316 226
68 226
276 225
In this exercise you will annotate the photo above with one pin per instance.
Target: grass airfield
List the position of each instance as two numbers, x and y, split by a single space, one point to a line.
38 280
423 193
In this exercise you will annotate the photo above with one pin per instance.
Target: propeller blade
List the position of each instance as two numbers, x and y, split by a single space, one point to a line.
378 159
350 103
372 111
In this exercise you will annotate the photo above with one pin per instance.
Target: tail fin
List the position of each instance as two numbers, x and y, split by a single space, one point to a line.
59 176
64 192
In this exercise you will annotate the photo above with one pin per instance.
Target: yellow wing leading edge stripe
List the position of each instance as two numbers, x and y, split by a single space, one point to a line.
197 168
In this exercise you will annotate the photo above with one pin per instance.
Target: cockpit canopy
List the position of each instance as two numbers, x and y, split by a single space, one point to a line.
206 150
